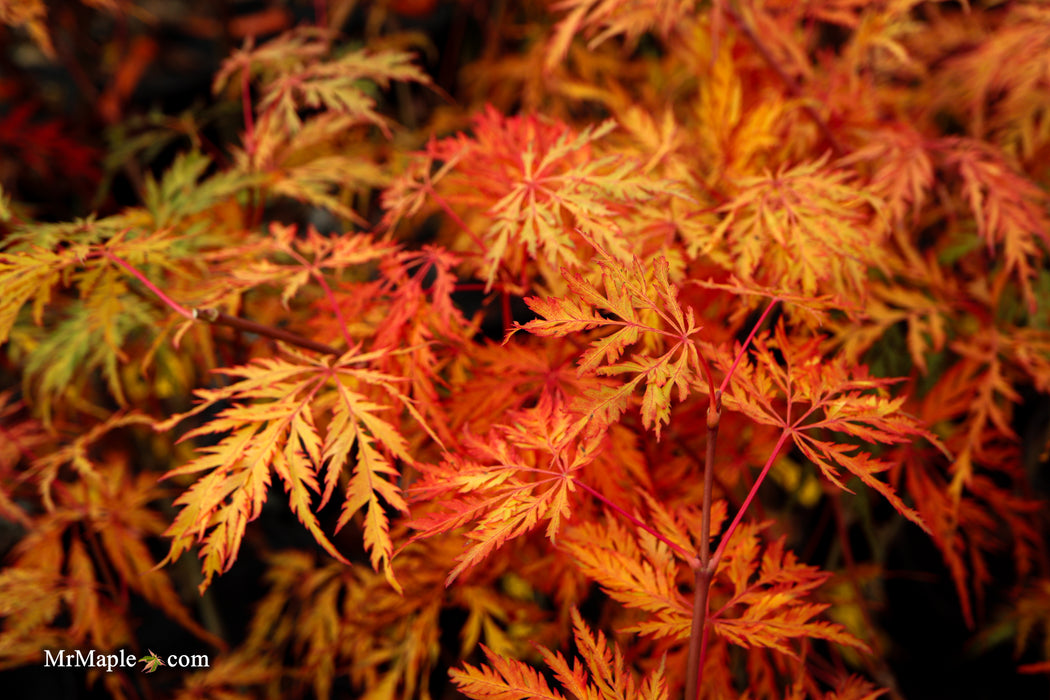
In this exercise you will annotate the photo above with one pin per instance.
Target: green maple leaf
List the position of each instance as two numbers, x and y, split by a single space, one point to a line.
151 661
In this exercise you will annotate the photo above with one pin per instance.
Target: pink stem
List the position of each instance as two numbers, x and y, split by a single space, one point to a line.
747 343
319 276
635 521
747 501
181 310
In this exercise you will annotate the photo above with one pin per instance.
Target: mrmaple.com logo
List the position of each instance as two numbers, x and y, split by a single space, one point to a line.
121 659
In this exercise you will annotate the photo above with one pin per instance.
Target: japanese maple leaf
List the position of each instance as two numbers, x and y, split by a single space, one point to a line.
516 477
603 673
535 189
152 662
809 226
769 587
791 386
639 305
271 428
1009 209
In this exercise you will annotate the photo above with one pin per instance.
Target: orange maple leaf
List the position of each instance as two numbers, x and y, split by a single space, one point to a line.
641 306
272 426
770 586
810 398
603 674
519 475
809 227
1009 208
543 189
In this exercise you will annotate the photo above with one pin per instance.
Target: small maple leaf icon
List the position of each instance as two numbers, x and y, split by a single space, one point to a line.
151 661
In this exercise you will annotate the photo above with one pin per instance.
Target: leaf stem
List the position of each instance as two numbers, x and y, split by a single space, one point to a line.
178 308
633 520
750 497
329 295
747 343
456 218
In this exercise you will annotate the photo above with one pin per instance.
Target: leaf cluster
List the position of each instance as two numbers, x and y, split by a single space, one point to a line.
753 265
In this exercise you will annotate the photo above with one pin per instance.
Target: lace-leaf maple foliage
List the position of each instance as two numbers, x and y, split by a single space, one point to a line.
750 265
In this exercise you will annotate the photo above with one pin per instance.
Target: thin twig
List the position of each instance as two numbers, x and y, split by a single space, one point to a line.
702 569
224 319
747 343
704 565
